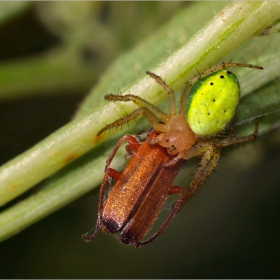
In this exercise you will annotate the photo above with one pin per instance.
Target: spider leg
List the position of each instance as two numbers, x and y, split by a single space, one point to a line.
232 140
138 112
184 98
210 152
218 67
171 96
141 103
210 158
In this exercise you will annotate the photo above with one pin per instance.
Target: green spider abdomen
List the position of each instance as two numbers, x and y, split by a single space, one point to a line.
212 103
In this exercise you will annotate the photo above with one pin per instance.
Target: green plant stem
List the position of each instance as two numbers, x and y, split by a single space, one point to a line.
54 195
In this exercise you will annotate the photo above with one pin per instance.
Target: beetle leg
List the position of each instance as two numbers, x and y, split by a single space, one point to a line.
86 236
110 172
177 207
133 144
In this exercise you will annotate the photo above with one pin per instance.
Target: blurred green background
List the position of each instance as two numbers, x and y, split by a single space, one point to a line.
229 230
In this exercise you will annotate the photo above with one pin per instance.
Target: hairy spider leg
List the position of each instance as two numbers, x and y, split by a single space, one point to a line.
171 96
151 112
210 152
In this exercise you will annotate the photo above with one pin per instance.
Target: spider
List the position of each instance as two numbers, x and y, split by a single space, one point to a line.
208 104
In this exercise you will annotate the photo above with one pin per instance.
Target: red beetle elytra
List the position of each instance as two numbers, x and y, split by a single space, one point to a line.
139 193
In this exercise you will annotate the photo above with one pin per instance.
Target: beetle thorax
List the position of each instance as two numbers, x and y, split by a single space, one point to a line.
179 136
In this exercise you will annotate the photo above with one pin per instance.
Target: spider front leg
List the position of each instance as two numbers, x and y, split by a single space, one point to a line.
171 96
218 67
151 112
152 119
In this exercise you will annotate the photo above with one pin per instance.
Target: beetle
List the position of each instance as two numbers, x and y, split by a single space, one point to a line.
208 104
140 192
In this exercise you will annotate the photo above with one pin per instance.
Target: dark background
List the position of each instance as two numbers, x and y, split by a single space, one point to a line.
229 230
